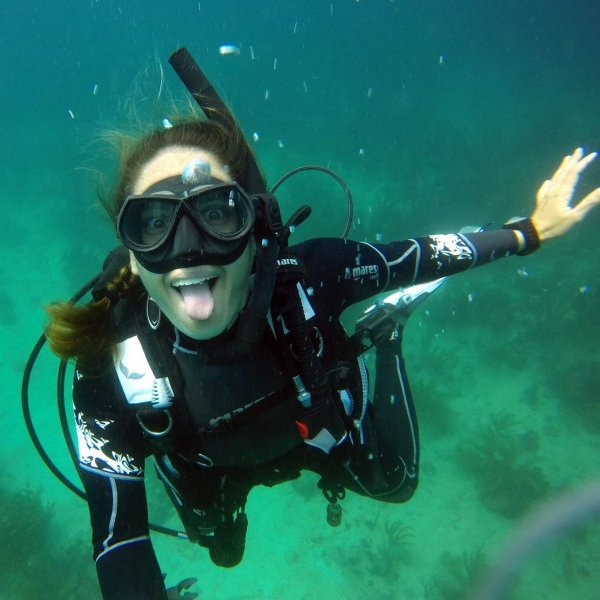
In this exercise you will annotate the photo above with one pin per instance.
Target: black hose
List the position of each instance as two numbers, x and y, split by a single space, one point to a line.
29 423
62 413
322 413
60 394
337 178
25 399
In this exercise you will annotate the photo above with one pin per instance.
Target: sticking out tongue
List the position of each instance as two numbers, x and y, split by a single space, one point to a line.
198 300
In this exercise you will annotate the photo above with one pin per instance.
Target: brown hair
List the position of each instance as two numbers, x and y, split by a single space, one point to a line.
83 332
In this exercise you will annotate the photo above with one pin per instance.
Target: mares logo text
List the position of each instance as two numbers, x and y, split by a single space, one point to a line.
370 271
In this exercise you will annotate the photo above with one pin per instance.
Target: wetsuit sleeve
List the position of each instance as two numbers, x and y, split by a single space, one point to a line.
355 271
111 466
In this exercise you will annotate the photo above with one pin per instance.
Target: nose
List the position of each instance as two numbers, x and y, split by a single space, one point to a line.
187 238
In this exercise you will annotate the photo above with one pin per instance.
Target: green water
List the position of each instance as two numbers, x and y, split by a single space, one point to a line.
437 114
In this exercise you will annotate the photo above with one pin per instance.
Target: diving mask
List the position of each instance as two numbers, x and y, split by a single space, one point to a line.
178 225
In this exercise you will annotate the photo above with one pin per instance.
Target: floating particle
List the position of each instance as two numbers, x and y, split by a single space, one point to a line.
275 64
266 94
369 92
523 272
95 90
584 289
470 296
280 143
305 86
71 113
361 152
166 123
255 136
331 9
295 27
379 237
441 59
252 52
229 49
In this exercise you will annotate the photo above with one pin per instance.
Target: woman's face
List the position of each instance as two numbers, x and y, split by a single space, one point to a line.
199 309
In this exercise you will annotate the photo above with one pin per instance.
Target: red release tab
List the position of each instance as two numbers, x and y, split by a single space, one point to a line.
302 428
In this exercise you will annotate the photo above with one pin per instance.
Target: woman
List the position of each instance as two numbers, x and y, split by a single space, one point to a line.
177 357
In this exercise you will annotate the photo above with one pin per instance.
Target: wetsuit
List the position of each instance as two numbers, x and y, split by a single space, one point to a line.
248 405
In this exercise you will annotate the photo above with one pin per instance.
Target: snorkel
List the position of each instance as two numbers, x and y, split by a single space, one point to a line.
268 228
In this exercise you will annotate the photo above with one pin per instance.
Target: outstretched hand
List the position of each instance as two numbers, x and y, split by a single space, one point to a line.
554 214
178 592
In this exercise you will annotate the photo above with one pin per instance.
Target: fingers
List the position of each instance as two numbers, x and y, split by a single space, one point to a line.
186 583
589 202
178 592
586 160
563 181
573 165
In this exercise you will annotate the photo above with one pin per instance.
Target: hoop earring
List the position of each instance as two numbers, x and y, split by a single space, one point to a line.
153 313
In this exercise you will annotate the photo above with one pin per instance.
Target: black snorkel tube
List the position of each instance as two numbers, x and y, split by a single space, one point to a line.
268 229
216 110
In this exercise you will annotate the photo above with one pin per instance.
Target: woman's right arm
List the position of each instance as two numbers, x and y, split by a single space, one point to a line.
111 465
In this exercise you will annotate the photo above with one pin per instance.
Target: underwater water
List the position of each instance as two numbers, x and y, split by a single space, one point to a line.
437 114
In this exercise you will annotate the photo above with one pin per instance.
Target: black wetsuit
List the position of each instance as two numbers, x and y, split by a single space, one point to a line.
385 466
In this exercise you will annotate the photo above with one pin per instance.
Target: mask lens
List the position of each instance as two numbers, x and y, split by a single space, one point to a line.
224 212
145 223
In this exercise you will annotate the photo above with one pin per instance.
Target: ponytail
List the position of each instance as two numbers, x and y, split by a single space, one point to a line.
83 332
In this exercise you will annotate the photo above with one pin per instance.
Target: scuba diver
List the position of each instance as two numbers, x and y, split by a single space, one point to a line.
217 349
